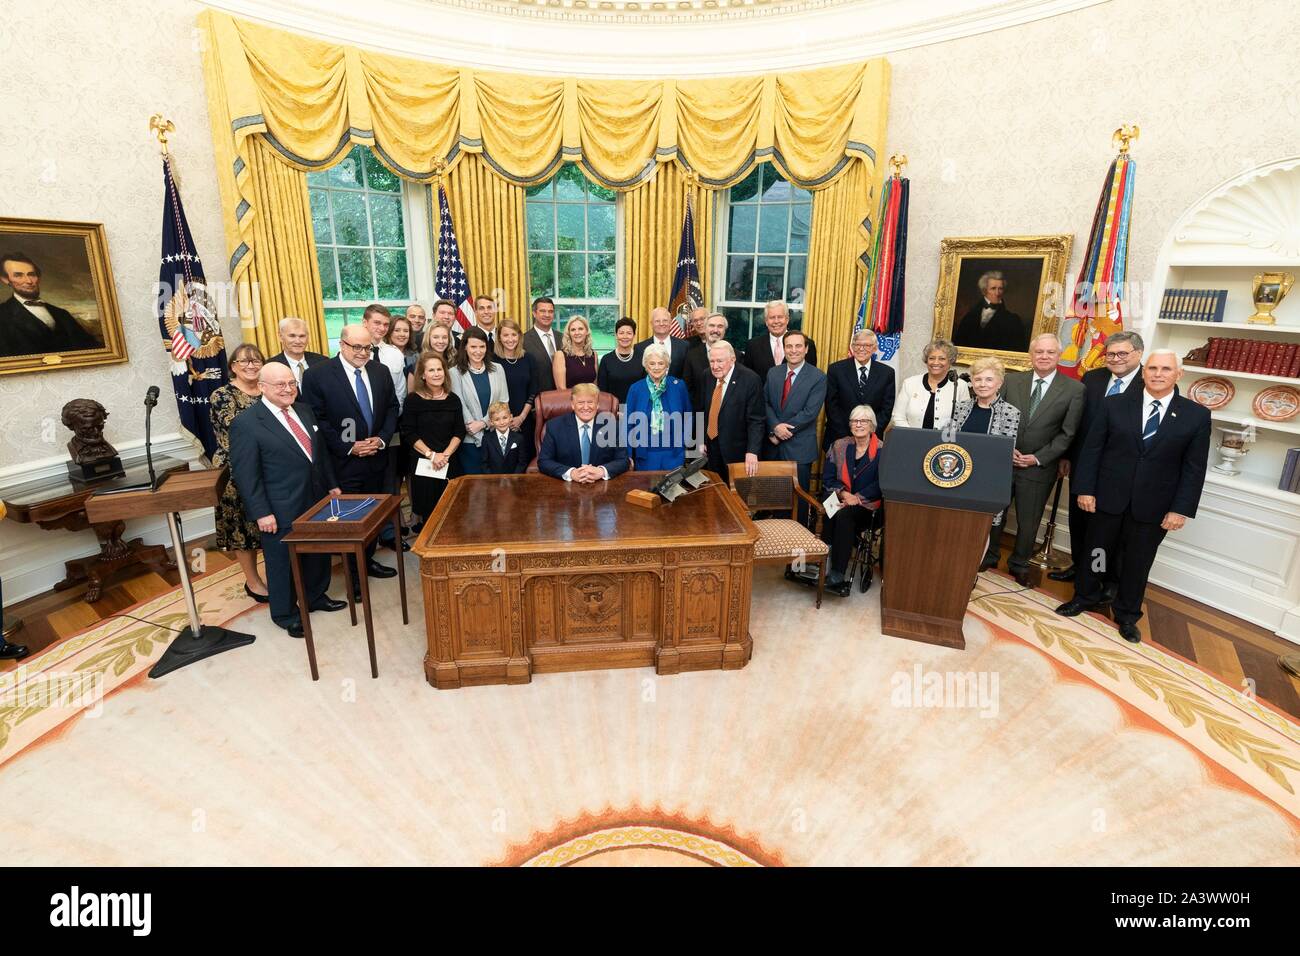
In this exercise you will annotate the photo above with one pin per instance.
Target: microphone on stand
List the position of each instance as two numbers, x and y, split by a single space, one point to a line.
150 400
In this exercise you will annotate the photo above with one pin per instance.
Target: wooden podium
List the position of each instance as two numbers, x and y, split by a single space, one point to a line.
182 490
940 499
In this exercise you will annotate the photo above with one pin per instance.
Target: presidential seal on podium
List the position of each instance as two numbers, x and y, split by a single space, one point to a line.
947 465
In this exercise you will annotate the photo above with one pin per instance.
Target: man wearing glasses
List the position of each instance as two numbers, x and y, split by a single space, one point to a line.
1123 372
858 380
281 467
355 405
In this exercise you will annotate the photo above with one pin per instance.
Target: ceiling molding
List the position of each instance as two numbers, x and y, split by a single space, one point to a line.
525 37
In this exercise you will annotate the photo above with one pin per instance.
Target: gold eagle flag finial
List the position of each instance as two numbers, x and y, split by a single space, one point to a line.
161 128
1123 137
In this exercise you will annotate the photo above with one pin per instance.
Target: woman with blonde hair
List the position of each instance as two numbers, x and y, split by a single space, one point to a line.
576 361
988 414
928 400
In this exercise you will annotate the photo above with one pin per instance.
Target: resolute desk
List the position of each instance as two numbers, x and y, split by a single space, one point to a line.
527 574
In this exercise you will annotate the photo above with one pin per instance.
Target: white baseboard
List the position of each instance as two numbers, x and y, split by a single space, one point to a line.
32 559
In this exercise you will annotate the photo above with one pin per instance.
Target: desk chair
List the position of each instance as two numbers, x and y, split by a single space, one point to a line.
553 404
776 488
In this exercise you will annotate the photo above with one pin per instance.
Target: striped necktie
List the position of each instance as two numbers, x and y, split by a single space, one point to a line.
1153 422
1036 397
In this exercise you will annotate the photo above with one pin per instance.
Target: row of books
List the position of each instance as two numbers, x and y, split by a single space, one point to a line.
1198 305
1253 355
1291 471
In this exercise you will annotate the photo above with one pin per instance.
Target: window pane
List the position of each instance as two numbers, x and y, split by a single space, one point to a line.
570 183
335 319
600 277
354 274
738 327
541 225
599 193
329 277
540 191
742 228
796 280
386 220
600 227
800 227
773 228
774 187
350 219
740 278
796 319
390 271
541 273
347 173
569 226
573 273
602 319
379 176
770 281
747 189
320 216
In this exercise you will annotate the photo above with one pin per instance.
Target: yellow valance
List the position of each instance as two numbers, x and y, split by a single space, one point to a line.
313 99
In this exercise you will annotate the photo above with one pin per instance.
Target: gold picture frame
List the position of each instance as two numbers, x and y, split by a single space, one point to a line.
78 301
1033 270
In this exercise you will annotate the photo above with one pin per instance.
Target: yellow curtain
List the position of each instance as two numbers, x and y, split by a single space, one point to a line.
652 229
837 259
492 234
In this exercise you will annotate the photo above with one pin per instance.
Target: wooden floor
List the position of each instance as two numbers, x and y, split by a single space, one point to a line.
1237 652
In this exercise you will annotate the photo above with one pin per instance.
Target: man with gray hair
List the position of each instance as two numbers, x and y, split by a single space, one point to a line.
1050 405
293 348
735 417
989 324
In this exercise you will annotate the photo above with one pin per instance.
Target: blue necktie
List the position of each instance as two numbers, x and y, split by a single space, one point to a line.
1115 386
1153 422
363 399
586 444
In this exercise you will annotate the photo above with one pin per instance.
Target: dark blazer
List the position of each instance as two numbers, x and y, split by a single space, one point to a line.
1052 428
758 354
843 395
327 388
1006 331
562 448
514 462
1095 384
1167 476
676 365
534 346
312 358
696 373
269 469
22 333
800 411
742 418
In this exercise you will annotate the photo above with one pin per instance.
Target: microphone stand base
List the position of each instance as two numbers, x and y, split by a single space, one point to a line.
187 649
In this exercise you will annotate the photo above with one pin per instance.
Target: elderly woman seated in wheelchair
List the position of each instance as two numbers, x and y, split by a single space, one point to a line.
852 474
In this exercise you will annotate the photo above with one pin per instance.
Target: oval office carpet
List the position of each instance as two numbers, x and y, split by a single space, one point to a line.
1047 741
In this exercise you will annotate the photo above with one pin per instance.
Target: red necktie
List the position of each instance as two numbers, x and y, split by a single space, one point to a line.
785 392
298 432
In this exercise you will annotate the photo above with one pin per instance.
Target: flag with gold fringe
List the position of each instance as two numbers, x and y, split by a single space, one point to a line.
882 308
1097 300
686 295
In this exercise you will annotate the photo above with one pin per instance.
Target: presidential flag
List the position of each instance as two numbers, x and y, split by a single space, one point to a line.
451 283
187 318
882 308
687 294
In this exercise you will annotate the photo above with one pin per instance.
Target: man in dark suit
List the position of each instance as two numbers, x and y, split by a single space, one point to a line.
1140 476
542 341
1050 404
444 313
734 416
696 374
293 348
661 323
504 451
356 408
1122 374
28 324
415 315
855 381
279 463
582 446
795 393
989 324
766 350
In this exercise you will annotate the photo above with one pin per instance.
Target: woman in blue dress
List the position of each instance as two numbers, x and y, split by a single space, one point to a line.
658 415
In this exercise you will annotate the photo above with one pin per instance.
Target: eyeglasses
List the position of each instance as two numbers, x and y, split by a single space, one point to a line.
1112 356
362 347
280 386
248 363
859 421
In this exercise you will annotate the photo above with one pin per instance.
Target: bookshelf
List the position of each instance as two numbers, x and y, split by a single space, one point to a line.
1242 551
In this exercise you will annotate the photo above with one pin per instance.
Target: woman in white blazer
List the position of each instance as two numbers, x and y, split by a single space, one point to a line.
478 382
928 400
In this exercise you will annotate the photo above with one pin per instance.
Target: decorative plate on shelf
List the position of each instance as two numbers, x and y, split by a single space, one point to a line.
1278 403
1212 392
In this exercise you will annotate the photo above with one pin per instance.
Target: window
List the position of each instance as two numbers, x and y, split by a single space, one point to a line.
763 251
358 215
573 250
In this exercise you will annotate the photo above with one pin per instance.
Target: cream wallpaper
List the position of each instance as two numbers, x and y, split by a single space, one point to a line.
1009 133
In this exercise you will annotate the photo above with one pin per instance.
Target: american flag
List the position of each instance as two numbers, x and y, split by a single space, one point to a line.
451 283
687 294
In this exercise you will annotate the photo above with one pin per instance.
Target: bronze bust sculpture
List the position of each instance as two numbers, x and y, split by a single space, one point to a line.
86 417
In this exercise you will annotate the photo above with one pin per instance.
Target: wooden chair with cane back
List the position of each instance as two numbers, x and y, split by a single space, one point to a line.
784 540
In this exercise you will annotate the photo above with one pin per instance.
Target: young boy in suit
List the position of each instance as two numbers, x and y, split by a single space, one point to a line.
503 447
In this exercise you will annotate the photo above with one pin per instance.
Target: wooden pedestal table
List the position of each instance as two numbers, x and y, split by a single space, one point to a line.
527 574
313 533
